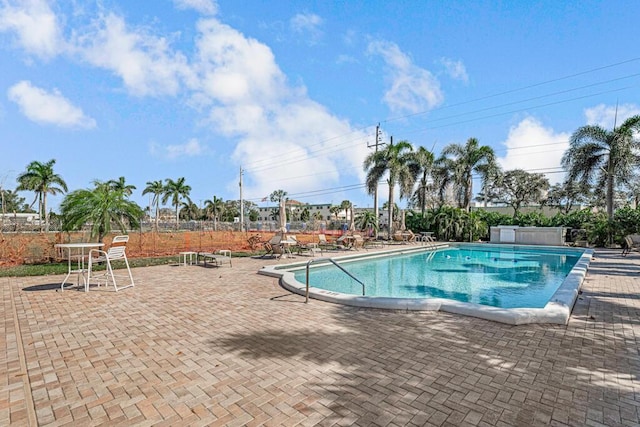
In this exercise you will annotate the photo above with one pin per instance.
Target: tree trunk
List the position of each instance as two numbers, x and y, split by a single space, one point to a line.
610 193
157 213
467 194
390 209
177 217
44 208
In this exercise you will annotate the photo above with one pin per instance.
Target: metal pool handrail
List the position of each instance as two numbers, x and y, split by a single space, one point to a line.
311 261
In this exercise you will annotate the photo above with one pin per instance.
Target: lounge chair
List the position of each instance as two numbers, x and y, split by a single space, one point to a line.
344 242
373 243
217 258
323 243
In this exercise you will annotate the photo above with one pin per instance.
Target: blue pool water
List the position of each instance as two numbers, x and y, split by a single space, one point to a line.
505 277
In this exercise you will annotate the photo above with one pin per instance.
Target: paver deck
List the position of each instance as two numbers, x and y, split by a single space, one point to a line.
225 346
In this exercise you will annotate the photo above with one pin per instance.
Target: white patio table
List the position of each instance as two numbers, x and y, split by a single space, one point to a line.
76 250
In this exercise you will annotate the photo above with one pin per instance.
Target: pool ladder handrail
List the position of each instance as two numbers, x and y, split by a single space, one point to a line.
311 261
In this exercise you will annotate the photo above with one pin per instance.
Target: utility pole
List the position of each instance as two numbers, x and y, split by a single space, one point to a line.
241 203
375 192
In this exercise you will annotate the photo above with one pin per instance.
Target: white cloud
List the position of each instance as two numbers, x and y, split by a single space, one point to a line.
535 148
253 104
145 62
45 107
205 7
34 24
307 23
455 69
412 89
605 115
189 149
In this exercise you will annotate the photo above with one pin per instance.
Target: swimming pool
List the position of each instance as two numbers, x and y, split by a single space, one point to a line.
510 284
506 277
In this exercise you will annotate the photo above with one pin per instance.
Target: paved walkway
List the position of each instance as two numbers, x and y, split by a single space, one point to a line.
224 346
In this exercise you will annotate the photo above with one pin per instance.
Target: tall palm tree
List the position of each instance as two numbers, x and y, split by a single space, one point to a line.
175 190
101 207
466 160
189 210
335 210
424 160
41 178
157 189
603 156
346 206
214 208
120 185
399 163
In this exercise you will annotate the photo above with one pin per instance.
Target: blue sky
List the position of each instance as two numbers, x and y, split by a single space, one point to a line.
291 91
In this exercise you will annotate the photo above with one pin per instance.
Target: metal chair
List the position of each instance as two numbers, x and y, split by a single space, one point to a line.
115 252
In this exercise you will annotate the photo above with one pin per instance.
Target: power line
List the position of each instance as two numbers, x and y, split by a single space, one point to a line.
306 153
516 89
280 162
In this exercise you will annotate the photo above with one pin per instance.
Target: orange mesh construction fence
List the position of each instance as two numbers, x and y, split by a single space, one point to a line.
36 248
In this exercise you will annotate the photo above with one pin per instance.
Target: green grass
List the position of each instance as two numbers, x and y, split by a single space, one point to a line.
61 268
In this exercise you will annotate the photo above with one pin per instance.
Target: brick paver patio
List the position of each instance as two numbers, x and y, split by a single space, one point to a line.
224 346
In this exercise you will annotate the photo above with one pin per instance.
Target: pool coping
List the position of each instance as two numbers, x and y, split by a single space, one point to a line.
556 311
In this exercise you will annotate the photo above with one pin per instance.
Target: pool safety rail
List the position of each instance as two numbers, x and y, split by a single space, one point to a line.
306 297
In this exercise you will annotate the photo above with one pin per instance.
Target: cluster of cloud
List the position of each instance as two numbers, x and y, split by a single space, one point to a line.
45 107
455 69
535 148
307 24
35 25
412 89
191 148
205 7
232 80
235 83
608 116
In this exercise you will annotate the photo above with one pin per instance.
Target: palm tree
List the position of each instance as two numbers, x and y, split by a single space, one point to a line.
176 190
189 210
398 161
119 185
335 210
214 208
468 159
40 177
346 206
424 160
366 220
99 207
157 189
603 156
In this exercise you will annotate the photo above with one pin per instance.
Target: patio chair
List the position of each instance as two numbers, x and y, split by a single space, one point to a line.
271 244
115 253
358 241
631 243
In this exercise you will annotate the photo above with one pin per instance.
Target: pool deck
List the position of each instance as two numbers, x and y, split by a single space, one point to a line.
225 346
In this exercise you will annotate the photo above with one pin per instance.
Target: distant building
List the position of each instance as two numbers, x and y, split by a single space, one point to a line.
266 213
